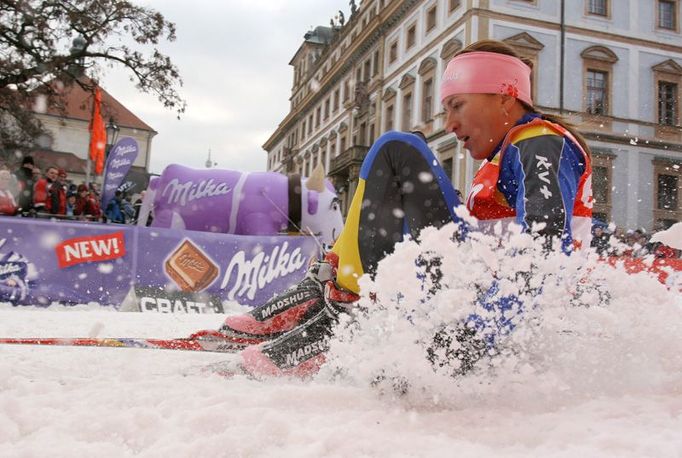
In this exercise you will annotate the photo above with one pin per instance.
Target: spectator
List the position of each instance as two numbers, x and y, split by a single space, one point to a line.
70 204
86 205
137 205
41 189
8 205
57 194
25 179
113 211
600 240
127 209
96 199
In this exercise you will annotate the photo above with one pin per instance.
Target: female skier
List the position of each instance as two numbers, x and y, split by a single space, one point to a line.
536 169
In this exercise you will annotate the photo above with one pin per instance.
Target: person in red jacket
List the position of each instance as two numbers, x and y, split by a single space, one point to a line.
57 194
41 189
86 204
8 205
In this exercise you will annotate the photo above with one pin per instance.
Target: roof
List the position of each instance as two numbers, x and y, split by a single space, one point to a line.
68 161
319 37
71 163
78 105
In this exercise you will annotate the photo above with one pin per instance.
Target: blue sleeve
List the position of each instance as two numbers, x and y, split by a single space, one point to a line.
539 178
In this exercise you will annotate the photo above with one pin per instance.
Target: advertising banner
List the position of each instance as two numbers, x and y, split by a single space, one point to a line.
43 261
196 271
120 159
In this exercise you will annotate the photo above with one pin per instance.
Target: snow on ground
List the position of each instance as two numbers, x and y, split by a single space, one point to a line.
603 380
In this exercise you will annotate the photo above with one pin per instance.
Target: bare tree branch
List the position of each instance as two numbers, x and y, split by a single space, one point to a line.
36 50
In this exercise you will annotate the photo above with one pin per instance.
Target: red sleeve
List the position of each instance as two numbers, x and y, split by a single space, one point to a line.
40 193
7 205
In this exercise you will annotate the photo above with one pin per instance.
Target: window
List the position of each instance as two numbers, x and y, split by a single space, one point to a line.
336 101
667 14
366 70
388 122
447 167
310 124
411 36
326 109
600 184
318 117
597 92
407 112
668 180
598 67
375 63
602 169
667 192
346 90
393 52
453 5
431 18
668 81
303 130
427 100
598 7
667 103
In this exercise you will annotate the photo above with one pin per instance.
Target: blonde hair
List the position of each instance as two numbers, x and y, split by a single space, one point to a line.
501 47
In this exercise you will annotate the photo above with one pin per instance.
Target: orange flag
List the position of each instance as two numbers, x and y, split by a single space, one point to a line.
98 134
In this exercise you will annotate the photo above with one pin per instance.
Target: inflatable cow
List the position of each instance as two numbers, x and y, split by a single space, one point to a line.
245 203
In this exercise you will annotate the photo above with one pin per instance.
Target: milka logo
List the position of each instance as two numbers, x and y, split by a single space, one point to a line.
189 191
124 149
253 275
117 163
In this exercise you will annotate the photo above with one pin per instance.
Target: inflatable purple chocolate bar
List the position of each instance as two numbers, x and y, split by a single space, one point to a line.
244 203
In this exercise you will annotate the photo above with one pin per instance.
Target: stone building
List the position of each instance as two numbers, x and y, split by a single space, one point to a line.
613 67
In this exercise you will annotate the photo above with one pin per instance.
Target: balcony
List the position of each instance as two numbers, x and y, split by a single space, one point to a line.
354 155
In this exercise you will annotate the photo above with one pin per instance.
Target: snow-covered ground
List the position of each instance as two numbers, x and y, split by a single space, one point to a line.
604 380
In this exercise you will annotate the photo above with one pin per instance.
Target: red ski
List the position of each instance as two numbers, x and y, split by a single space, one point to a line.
211 341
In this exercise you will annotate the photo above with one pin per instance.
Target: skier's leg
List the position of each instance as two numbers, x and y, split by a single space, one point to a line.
402 189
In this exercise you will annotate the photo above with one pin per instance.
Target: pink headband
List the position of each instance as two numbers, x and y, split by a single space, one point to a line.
483 72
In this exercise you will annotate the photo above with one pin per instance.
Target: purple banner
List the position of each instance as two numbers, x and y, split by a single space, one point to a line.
168 270
120 159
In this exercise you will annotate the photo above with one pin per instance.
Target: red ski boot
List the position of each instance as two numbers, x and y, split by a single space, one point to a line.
280 314
301 351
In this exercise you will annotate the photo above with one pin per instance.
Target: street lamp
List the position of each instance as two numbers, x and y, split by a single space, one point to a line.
112 134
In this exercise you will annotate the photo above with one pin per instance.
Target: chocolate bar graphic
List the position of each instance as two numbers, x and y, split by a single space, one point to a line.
190 268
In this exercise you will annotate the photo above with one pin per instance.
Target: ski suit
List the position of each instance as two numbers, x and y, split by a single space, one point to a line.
538 174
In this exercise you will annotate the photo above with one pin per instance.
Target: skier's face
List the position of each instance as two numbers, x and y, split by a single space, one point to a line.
480 121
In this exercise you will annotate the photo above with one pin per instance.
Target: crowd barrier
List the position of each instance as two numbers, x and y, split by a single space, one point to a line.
140 268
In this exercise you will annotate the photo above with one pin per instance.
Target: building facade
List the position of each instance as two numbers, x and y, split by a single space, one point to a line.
66 141
612 67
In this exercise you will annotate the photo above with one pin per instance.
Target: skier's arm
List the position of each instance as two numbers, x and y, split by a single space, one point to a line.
541 177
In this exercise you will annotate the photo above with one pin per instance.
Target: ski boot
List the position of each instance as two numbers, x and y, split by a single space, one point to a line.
301 351
282 313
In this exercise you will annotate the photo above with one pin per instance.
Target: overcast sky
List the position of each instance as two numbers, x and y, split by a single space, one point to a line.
233 57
